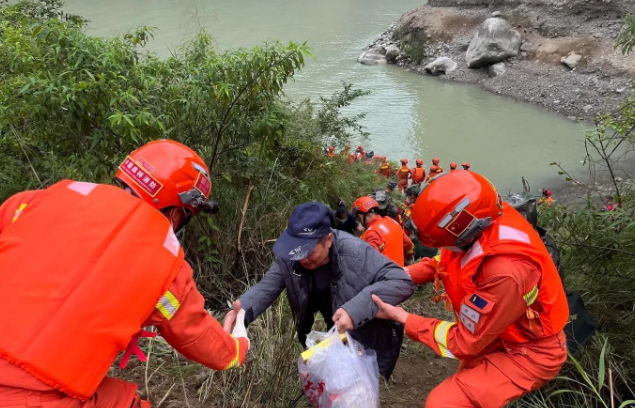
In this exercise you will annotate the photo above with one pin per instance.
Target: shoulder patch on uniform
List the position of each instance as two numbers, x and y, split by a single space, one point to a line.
470 313
478 301
468 324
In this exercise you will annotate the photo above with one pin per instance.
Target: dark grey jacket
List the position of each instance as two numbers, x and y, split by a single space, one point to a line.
358 271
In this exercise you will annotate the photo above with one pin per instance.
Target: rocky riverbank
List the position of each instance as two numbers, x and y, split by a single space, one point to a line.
558 54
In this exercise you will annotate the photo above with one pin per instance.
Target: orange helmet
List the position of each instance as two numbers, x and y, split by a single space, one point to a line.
454 208
434 168
466 166
363 205
419 162
165 173
453 166
331 148
435 161
404 161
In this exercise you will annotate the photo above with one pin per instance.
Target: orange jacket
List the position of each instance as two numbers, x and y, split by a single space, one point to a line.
403 173
385 169
84 310
418 174
505 288
386 235
545 200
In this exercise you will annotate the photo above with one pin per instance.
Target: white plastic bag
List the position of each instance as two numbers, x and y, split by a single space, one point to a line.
341 375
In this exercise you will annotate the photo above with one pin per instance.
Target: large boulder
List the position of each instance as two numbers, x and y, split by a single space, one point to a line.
392 52
494 41
441 65
571 60
371 57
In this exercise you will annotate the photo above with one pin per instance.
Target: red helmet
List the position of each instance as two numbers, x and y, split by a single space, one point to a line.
363 205
546 192
165 173
383 158
434 168
331 148
454 208
360 148
466 166
453 166
435 161
404 161
419 162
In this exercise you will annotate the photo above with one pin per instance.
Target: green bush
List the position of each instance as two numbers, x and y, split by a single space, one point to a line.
413 42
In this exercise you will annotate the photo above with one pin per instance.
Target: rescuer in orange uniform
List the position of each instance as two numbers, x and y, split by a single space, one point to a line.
546 198
435 162
434 171
347 155
385 169
418 173
331 152
403 175
96 264
383 233
503 287
360 154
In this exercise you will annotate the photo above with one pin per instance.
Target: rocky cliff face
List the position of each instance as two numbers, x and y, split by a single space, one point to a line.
555 53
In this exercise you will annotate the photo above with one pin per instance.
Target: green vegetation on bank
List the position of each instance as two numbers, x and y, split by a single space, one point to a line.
73 105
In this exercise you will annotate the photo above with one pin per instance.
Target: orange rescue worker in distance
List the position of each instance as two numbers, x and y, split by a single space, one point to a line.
403 175
108 263
385 169
331 152
383 233
506 294
418 173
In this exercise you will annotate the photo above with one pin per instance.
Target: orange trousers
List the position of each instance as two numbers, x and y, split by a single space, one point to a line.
403 185
111 393
495 379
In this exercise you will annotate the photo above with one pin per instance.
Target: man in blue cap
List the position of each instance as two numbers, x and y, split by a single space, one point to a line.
334 273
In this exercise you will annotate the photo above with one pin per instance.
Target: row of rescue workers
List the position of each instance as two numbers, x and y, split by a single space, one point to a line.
85 267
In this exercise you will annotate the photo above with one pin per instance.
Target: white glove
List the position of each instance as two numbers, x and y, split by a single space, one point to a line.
239 329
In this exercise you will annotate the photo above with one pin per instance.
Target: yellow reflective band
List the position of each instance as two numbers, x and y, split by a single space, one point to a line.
531 297
441 336
437 258
18 212
234 362
168 305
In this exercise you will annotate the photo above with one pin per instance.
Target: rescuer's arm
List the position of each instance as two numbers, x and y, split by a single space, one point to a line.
374 239
485 314
423 271
184 323
11 209
408 248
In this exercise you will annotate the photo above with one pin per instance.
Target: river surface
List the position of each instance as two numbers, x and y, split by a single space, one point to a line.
408 115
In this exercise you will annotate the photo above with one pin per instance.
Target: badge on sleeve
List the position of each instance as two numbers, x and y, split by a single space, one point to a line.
468 324
478 301
470 313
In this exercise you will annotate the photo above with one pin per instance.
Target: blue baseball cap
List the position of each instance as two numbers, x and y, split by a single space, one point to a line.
308 223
